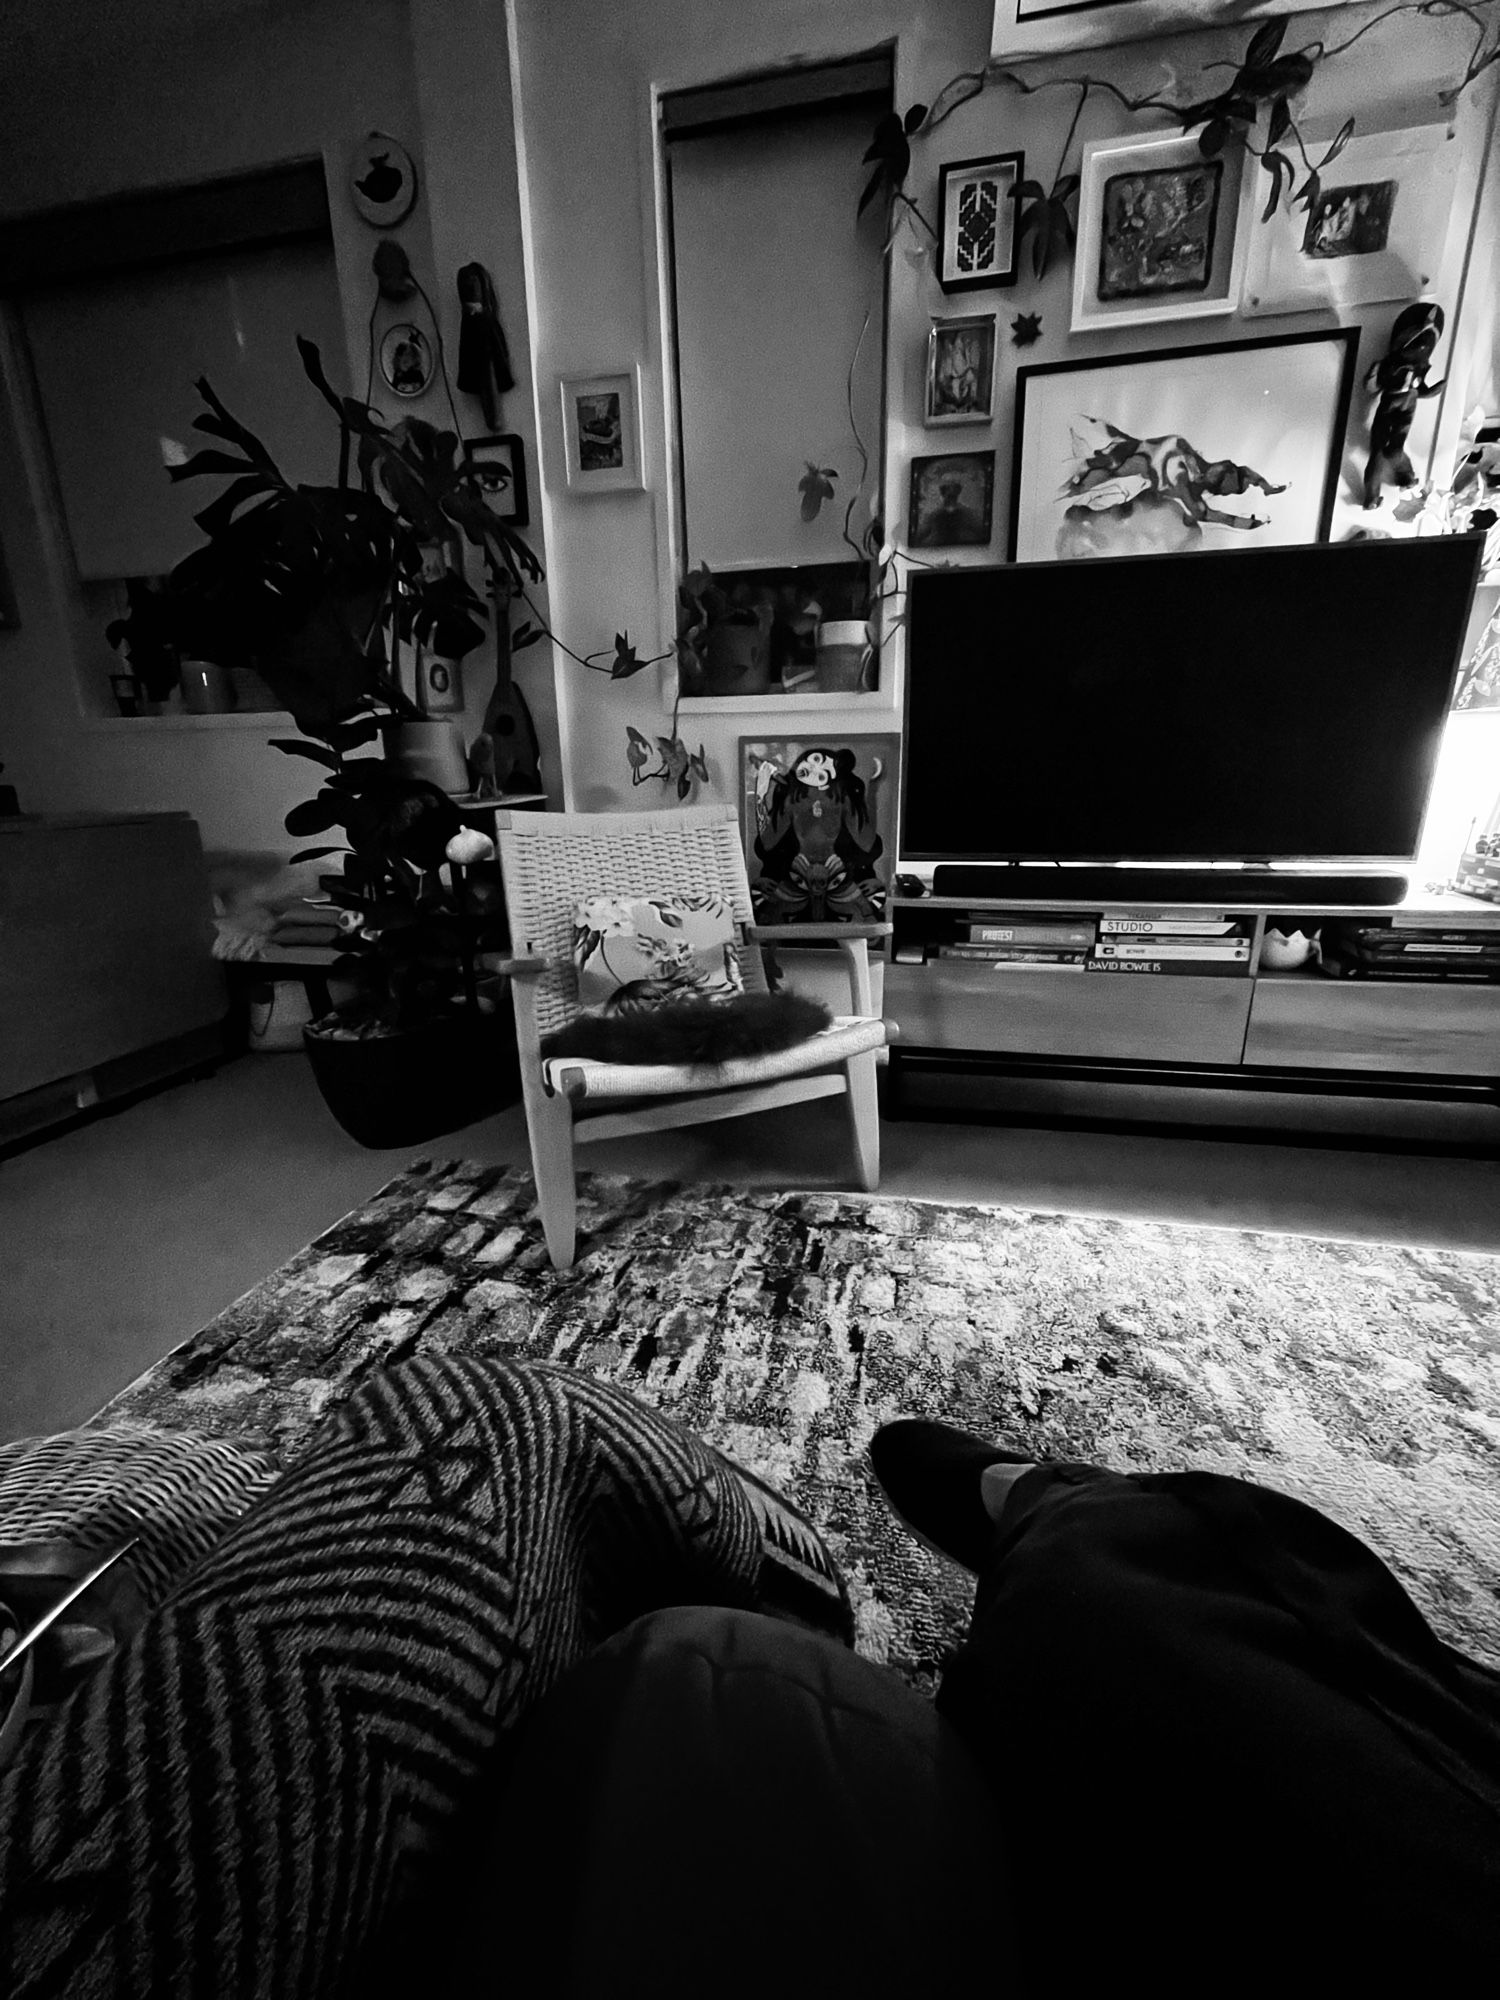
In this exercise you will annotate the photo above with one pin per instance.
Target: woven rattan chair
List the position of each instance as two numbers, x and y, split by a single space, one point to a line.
553 861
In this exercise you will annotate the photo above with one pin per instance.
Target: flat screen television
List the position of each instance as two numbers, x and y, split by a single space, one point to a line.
1249 705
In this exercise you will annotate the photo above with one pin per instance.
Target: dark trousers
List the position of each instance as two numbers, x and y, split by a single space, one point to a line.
1198 1740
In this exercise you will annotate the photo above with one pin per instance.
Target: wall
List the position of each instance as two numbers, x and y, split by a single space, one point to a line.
586 74
154 92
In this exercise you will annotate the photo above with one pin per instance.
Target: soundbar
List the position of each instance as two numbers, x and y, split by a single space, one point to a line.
1027 883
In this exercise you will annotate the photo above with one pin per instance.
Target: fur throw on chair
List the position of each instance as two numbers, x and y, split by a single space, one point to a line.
695 1031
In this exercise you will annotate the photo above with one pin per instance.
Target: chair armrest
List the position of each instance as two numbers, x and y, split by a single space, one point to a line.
813 933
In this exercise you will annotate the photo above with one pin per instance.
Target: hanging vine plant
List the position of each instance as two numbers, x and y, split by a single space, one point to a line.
1261 94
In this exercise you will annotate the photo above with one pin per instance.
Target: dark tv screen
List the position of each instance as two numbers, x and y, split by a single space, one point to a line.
1273 704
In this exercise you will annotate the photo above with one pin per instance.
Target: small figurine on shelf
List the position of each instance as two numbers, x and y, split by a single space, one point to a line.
1400 380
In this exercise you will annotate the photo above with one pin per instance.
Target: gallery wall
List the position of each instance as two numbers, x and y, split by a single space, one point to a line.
586 76
532 126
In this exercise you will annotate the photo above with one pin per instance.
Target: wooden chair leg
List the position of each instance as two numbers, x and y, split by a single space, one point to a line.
549 1120
864 1119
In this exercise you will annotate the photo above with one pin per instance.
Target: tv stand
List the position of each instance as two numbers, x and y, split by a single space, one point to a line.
1251 1029
1034 882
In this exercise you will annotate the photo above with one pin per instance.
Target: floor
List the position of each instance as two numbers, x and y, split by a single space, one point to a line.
120 1237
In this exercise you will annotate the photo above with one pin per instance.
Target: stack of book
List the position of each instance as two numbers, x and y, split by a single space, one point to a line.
1168 942
1031 940
1355 950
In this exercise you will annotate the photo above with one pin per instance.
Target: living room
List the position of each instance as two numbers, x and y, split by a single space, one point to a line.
775 320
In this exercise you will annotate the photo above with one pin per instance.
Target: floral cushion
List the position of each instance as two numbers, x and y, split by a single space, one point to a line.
636 953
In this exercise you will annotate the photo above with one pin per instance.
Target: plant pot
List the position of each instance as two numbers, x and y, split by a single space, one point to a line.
737 656
401 1089
842 644
432 749
206 689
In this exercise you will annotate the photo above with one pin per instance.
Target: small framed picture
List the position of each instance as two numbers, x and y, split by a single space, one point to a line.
407 362
977 222
1158 232
1375 230
961 370
952 501
500 465
602 432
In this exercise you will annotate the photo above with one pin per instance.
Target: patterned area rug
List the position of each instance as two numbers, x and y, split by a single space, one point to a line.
785 1327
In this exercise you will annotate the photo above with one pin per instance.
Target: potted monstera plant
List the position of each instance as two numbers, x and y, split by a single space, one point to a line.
427 1044
315 587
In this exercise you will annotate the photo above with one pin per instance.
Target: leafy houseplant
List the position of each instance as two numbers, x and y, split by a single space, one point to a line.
428 1045
316 588
723 636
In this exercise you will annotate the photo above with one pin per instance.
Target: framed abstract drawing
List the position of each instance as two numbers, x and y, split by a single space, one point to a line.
1240 443
952 501
1159 233
602 432
1042 27
961 370
1375 230
819 822
500 463
977 244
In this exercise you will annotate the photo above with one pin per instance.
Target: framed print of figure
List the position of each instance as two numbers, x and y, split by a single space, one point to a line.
1375 230
961 370
1184 448
819 822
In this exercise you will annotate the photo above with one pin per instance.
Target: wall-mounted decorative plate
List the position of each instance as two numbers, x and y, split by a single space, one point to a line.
383 181
406 359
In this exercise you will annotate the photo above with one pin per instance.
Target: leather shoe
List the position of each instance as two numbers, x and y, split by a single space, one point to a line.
929 1474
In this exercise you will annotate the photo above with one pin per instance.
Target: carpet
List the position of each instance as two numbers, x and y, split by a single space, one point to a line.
1362 1378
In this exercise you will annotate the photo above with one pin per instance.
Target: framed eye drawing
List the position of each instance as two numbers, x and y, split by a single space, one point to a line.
499 463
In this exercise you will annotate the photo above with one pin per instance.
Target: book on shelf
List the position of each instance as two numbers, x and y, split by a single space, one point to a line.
1456 971
1015 954
1451 948
1168 926
1412 938
1209 950
1033 934
1035 963
1193 968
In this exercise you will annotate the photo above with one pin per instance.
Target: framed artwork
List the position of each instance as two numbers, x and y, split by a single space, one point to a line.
1375 232
1041 27
952 501
819 822
961 370
977 222
407 362
1479 683
500 464
383 181
602 431
1158 232
1185 448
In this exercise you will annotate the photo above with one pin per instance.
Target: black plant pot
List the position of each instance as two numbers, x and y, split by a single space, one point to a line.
397 1090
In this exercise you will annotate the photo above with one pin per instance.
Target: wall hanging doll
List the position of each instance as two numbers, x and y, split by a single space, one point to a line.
1400 380
484 368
